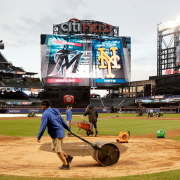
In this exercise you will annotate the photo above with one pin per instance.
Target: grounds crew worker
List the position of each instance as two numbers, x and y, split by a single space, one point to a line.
55 124
93 115
69 117
149 114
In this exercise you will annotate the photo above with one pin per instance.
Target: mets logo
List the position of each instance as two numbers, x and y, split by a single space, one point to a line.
68 99
111 62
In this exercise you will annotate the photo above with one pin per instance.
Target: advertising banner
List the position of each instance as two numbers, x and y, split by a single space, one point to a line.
164 100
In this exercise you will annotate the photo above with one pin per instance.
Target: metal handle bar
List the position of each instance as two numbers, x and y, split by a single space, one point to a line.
93 145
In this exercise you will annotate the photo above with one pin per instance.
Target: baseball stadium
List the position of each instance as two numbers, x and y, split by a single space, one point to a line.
138 121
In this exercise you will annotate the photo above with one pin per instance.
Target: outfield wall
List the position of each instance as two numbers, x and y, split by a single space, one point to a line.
82 110
164 110
39 110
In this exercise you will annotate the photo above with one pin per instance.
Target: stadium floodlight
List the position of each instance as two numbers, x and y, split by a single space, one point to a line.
1 44
169 24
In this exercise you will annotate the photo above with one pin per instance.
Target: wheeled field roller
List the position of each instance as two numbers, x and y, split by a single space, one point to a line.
103 152
108 159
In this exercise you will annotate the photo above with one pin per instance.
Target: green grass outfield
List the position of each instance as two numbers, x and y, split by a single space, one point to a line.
176 115
110 126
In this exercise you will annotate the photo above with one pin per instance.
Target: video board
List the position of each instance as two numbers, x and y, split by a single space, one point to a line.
159 99
172 68
72 61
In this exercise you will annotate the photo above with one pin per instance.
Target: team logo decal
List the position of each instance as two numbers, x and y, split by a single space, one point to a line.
68 99
111 62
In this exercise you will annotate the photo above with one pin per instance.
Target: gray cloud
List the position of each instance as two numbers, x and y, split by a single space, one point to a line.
22 22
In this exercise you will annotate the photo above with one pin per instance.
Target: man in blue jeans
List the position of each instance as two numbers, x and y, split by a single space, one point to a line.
55 124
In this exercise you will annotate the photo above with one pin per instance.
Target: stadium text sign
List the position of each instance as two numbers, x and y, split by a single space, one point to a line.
70 80
77 26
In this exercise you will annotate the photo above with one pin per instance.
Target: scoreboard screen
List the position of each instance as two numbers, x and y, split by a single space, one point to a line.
72 61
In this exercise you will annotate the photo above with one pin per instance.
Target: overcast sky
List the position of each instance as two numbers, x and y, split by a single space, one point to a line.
22 22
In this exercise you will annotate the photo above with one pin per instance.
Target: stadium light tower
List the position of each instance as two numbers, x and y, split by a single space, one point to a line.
168 52
1 44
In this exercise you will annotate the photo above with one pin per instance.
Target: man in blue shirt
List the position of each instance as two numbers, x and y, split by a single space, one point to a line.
69 117
55 124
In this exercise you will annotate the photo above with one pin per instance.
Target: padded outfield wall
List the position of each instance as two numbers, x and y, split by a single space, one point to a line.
82 110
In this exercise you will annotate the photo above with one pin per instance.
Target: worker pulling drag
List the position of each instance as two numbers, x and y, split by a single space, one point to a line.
55 124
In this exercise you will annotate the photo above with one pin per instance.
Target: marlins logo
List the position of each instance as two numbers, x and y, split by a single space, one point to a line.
62 61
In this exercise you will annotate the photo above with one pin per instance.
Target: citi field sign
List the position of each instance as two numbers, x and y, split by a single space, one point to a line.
75 26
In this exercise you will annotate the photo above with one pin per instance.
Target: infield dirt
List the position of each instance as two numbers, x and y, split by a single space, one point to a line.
141 155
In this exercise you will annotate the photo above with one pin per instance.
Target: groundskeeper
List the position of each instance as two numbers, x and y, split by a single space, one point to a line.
69 117
55 124
93 115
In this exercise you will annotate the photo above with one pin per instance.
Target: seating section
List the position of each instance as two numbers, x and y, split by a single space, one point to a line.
2 58
34 100
96 102
126 102
14 68
111 102
31 79
20 84
3 67
2 100
35 85
16 100
13 83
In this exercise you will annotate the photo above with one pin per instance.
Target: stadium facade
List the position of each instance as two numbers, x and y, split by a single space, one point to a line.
18 88
82 55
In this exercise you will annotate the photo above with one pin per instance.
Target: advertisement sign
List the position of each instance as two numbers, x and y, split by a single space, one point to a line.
76 26
164 100
31 92
71 61
176 66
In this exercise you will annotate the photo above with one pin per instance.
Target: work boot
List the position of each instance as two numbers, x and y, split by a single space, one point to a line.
69 159
96 134
64 167
91 134
61 166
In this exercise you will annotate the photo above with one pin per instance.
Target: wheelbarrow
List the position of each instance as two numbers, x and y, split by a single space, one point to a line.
84 126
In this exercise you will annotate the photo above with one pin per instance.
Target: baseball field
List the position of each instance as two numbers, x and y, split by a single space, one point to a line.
144 156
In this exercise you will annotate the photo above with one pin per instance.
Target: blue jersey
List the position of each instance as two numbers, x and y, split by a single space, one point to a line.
69 115
54 122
